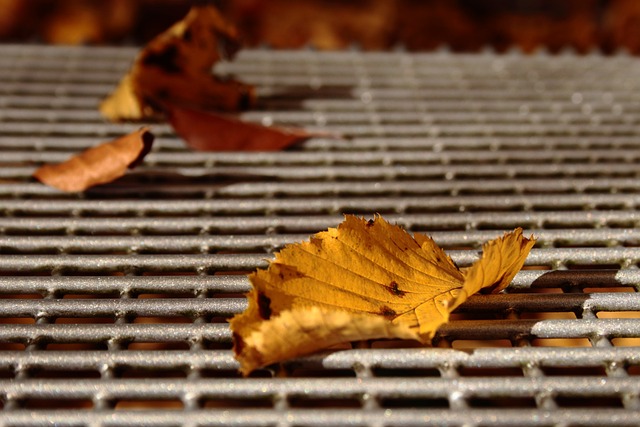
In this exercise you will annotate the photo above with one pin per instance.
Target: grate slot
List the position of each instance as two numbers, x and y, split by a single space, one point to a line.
325 205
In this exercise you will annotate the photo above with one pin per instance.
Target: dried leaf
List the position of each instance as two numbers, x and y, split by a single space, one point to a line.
175 68
212 132
98 165
362 280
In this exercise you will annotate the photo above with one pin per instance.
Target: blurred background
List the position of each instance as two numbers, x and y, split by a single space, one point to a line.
417 25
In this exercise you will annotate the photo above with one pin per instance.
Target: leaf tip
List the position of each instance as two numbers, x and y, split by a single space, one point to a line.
501 260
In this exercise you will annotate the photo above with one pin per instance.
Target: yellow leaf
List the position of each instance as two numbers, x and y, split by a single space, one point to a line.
123 103
311 329
175 67
362 280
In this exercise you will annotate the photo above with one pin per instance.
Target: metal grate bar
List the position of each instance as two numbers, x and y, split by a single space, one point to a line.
126 285
267 243
325 387
236 262
524 280
246 206
400 172
405 417
589 219
370 144
575 302
371 359
474 156
219 333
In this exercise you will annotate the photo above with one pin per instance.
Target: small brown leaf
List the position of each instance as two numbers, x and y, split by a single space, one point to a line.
98 165
175 68
362 280
213 132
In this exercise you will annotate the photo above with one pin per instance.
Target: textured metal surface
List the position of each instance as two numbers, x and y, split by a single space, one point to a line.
113 303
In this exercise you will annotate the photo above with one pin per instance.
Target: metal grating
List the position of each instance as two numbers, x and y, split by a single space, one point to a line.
113 302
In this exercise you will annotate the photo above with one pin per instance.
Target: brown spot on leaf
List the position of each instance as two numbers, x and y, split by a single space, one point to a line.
387 312
395 289
264 306
370 223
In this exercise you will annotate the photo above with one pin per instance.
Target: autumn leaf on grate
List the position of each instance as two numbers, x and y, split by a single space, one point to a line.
172 75
175 68
206 131
362 280
98 165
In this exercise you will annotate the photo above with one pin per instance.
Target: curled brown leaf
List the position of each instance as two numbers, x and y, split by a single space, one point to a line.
98 165
213 132
175 68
